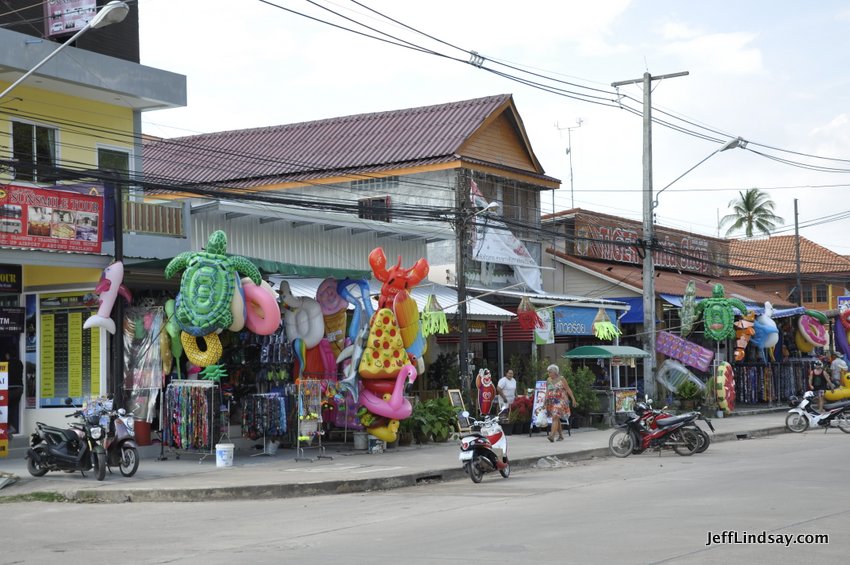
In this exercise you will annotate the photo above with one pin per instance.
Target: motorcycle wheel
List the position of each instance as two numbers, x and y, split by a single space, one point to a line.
129 461
621 443
506 472
686 441
704 440
843 422
475 471
98 463
35 469
796 423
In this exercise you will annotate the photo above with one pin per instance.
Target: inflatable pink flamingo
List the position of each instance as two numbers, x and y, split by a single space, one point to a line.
397 407
109 287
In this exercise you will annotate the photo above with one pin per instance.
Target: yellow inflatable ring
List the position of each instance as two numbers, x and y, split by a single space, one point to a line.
388 433
198 357
804 345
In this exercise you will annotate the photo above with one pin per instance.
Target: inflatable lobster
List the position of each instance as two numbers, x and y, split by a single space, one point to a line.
395 278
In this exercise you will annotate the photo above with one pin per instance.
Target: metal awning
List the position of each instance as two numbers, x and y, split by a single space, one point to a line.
605 352
550 299
447 297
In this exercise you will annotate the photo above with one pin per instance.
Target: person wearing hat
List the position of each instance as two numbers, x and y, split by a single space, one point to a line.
819 382
838 367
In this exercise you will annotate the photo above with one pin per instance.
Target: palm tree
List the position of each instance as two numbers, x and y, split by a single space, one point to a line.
752 210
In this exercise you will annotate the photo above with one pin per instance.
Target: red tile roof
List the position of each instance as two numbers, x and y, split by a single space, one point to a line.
364 143
778 255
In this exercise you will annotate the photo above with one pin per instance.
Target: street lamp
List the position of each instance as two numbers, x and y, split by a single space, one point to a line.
649 270
112 13
462 226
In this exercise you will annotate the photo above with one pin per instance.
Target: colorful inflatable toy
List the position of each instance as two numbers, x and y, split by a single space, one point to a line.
237 306
388 433
209 356
718 316
395 278
207 286
407 314
396 407
334 309
173 331
688 313
841 392
724 386
486 390
811 328
384 355
766 332
744 331
302 318
109 287
844 316
262 311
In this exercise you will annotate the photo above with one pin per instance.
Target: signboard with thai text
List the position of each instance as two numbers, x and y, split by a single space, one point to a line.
573 320
611 239
37 218
11 279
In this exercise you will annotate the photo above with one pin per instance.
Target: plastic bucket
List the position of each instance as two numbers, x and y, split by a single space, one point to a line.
361 440
142 430
224 454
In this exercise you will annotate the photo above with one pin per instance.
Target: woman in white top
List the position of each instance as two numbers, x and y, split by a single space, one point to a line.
506 390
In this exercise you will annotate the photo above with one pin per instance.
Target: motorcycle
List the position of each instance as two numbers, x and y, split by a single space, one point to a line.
484 449
75 448
803 415
651 416
675 432
120 442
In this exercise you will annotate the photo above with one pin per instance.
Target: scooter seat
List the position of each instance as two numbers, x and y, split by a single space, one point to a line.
67 433
834 405
672 421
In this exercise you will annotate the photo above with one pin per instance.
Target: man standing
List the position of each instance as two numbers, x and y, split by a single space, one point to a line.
838 367
506 389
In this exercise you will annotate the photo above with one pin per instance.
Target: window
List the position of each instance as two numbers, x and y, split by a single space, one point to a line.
384 184
34 150
374 209
821 293
807 293
115 161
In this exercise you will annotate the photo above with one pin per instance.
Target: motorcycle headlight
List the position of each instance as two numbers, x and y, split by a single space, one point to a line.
96 432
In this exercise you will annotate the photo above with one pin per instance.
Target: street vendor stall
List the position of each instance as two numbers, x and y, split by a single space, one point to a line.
617 398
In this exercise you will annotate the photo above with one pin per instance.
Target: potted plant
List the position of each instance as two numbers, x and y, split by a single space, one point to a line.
433 420
405 431
520 413
690 395
581 381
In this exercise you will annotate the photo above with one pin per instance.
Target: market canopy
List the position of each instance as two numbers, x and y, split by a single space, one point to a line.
605 352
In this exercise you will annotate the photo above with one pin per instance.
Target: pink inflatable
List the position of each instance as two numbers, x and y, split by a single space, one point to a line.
397 407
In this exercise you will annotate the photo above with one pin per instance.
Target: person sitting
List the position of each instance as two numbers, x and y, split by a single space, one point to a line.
819 382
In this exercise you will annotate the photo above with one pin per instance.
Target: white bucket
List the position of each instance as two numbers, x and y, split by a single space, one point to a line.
361 440
224 454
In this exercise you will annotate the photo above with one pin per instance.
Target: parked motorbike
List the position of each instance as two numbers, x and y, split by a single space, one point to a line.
75 448
803 415
652 415
120 442
676 432
484 449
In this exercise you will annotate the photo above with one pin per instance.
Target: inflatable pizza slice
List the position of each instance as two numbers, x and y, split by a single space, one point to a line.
384 355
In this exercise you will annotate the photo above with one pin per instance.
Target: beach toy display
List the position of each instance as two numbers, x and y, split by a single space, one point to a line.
717 314
108 289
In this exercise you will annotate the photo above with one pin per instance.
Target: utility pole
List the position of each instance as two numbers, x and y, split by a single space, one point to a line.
648 231
797 243
461 232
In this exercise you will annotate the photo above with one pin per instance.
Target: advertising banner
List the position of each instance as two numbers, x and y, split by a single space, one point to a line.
546 334
11 320
11 279
572 320
67 16
37 218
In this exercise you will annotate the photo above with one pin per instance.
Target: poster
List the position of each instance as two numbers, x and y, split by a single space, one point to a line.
4 409
539 401
624 399
69 356
67 16
546 334
37 218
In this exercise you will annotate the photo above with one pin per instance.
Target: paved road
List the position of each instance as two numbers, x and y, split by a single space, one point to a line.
642 509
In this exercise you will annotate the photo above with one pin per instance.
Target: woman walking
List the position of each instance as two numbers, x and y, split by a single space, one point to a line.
558 397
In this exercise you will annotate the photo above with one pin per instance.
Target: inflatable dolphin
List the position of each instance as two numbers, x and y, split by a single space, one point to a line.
108 288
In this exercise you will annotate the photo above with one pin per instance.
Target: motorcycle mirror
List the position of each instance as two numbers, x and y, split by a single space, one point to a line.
121 412
465 414
69 401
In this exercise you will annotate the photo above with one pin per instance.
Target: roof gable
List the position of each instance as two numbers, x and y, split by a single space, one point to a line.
327 147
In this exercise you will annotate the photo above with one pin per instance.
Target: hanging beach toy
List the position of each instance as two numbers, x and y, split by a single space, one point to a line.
433 318
603 328
527 315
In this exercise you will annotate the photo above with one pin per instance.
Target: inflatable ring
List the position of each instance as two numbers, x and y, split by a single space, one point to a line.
263 313
304 320
801 343
724 386
812 330
237 306
388 433
817 315
845 318
198 357
379 386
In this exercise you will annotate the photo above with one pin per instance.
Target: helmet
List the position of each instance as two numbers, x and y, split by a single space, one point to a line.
640 408
818 363
808 394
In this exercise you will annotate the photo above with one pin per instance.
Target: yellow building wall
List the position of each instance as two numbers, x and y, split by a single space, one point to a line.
42 276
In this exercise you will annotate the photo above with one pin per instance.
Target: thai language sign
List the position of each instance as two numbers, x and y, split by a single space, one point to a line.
39 218
573 320
683 350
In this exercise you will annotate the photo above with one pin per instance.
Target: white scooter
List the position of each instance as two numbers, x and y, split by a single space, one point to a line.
484 448
803 415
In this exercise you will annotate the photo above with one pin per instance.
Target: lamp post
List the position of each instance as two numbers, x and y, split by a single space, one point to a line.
462 234
112 13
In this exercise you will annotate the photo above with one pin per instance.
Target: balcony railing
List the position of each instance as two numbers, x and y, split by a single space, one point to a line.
154 219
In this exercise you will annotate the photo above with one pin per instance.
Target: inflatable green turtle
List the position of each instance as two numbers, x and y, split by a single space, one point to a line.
717 315
207 286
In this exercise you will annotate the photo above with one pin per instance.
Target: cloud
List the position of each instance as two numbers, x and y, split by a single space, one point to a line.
724 53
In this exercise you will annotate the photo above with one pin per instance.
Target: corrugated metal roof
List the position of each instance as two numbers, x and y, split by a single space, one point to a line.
333 146
447 297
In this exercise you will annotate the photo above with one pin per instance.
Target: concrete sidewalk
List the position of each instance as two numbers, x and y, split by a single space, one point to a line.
193 477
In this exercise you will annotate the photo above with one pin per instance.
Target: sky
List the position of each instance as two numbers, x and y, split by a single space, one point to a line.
773 72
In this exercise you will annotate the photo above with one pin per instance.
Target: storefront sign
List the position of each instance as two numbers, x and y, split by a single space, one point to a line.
683 350
572 320
11 320
50 219
4 409
473 327
609 238
11 278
